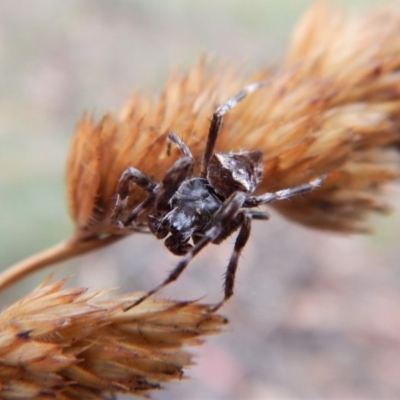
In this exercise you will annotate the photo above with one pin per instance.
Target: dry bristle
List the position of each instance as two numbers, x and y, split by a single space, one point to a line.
332 108
70 344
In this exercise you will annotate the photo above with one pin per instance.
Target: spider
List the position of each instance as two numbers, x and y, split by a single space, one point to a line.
191 212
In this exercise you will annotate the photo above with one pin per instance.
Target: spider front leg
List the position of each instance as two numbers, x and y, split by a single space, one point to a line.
254 201
217 118
224 216
181 170
180 144
162 193
129 175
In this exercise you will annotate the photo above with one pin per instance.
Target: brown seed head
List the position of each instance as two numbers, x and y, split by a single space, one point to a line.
332 107
70 344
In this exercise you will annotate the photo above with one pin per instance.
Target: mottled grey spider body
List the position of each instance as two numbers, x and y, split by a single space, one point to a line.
191 212
193 206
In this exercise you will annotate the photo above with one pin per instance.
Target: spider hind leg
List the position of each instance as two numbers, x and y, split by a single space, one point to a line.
240 243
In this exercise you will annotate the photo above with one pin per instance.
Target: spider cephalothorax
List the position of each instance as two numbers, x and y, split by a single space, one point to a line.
191 212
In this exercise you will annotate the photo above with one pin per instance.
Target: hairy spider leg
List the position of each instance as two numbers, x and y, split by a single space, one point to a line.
180 144
130 175
240 243
222 217
259 215
245 229
140 208
181 170
254 201
217 118
157 193
162 193
244 221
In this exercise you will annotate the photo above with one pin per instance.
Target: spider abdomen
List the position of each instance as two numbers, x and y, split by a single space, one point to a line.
229 173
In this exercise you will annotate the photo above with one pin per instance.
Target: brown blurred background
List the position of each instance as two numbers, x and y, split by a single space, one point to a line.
315 316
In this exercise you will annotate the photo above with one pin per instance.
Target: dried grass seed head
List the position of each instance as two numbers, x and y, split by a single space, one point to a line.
331 107
69 343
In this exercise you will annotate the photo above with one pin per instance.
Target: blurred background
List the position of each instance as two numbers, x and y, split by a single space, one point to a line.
315 315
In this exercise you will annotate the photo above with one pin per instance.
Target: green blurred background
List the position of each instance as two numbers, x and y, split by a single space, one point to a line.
319 319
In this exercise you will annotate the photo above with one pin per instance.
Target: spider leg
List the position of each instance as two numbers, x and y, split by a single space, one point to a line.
141 207
223 216
181 170
180 144
216 121
254 201
240 243
259 215
130 175
162 193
